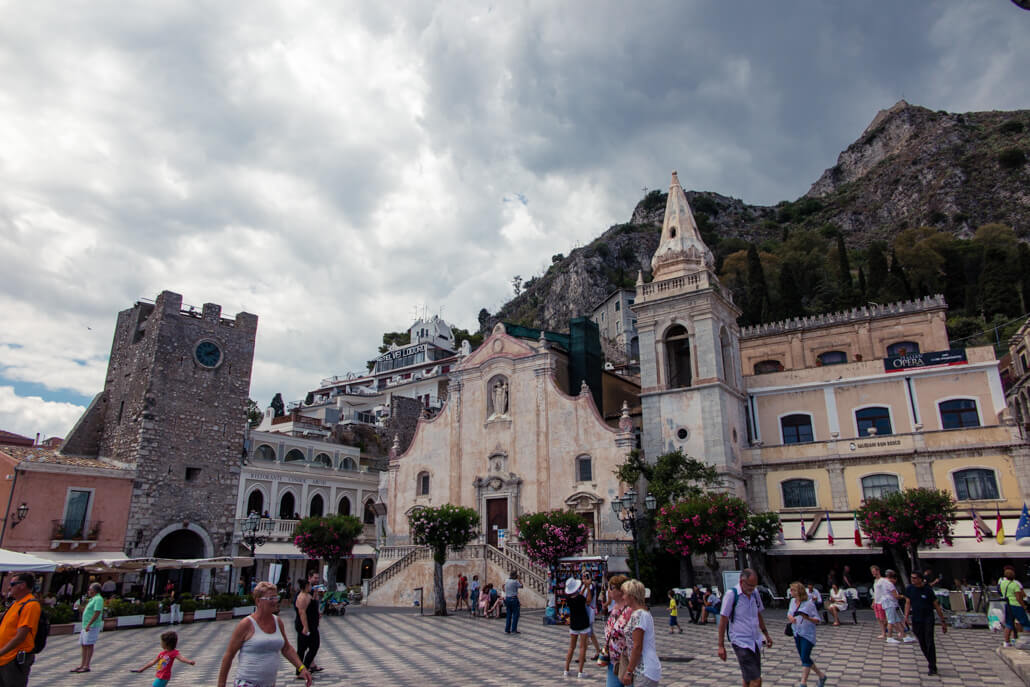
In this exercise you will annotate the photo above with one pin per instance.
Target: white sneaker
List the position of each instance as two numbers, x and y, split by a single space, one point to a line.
565 673
891 640
909 640
581 675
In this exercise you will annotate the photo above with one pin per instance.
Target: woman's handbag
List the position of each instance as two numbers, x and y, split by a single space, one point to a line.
623 667
789 630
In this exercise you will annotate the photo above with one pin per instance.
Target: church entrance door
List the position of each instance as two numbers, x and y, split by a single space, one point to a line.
496 518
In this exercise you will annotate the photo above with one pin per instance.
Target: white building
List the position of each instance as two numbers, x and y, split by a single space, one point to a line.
285 477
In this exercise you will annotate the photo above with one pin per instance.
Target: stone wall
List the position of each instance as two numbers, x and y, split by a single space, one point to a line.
404 415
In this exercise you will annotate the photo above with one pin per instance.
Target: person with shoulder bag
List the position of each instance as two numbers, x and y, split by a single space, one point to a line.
18 631
802 617
639 664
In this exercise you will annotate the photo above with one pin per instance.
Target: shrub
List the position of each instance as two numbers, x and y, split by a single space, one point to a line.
1012 126
551 535
188 605
151 607
61 613
909 519
224 602
1011 158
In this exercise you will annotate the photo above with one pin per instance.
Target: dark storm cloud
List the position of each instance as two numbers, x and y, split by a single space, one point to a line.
332 167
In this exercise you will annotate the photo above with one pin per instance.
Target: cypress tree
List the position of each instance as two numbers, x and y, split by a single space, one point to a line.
790 295
877 269
861 286
846 286
757 306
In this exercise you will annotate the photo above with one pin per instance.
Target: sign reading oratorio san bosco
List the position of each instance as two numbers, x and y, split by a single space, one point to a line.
897 363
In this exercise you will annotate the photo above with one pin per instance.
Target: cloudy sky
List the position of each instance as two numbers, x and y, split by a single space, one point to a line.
332 167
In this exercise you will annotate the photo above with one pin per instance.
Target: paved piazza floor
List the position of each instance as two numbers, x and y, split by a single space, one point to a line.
394 647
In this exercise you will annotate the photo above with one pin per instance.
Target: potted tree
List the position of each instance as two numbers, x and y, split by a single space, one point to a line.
242 605
150 613
62 619
205 611
189 607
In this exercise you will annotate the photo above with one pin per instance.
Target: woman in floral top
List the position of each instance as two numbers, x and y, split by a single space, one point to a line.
614 637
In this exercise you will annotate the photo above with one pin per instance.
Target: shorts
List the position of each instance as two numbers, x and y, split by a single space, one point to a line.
894 615
159 682
673 621
804 651
878 610
584 631
750 663
89 637
1014 614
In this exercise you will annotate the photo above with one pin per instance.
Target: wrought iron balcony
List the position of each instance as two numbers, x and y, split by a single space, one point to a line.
80 530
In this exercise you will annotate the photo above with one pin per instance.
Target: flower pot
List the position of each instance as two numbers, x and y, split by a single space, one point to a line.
187 616
110 624
223 615
149 620
130 620
62 629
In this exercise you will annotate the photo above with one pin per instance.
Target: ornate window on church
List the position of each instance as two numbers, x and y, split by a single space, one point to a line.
324 460
422 484
370 514
584 469
265 452
497 397
294 455
798 493
317 507
727 356
344 507
677 355
797 428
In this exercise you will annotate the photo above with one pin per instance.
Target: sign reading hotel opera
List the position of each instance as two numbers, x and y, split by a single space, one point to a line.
898 363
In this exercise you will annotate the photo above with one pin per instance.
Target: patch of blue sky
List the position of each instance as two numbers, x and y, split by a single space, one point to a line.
27 389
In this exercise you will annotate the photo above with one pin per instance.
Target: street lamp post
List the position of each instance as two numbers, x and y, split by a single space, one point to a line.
630 514
252 536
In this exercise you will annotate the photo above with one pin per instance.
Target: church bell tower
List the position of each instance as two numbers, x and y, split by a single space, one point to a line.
692 391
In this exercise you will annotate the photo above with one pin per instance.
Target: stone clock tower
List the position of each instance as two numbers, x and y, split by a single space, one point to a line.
692 390
174 406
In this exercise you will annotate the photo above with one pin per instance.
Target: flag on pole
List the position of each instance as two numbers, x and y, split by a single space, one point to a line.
858 532
829 529
981 527
976 529
804 532
780 539
1023 528
1000 536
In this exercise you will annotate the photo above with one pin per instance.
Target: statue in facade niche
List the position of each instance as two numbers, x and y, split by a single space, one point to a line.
499 396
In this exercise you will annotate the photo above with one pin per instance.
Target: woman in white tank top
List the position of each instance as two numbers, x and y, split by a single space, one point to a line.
259 639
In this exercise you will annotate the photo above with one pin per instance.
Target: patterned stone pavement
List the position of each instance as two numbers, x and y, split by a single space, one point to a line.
395 647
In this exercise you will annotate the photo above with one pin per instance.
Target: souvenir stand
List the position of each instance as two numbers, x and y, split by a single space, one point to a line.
575 566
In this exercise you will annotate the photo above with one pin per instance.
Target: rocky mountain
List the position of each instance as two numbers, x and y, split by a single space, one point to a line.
911 167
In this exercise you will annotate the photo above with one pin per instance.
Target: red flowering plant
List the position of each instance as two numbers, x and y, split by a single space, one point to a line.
909 519
329 538
443 528
552 534
703 524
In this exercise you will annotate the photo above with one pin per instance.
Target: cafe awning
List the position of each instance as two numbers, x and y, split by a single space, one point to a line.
965 545
279 549
12 561
818 543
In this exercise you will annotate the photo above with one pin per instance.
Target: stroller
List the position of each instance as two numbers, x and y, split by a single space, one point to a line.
335 603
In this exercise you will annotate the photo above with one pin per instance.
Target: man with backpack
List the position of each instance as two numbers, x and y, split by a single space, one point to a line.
742 614
18 631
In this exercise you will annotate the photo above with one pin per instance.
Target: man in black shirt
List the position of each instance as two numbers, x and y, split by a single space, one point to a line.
920 604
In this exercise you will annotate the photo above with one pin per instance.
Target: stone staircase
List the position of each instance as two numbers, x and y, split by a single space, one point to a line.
510 558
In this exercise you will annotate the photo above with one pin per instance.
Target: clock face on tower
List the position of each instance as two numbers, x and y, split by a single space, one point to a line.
208 354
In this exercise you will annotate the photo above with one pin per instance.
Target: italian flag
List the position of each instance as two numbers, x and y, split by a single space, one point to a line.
829 528
858 532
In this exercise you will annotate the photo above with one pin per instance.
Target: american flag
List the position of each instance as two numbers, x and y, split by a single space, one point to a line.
976 528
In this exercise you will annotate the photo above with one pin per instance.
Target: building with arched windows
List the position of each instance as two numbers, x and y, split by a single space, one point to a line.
285 478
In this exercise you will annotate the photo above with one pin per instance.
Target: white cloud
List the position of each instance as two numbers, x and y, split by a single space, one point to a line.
331 168
31 414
